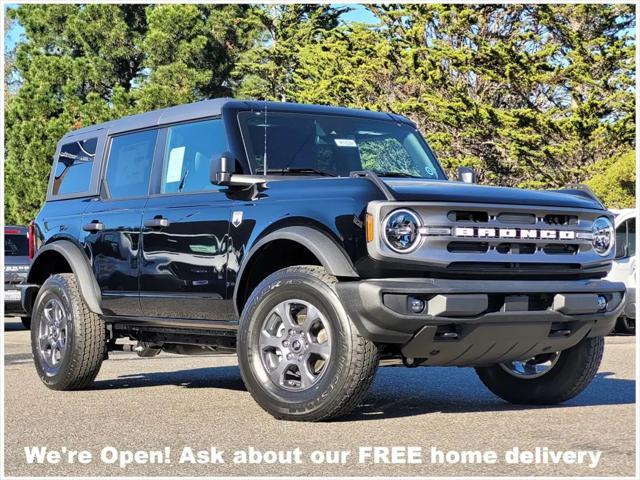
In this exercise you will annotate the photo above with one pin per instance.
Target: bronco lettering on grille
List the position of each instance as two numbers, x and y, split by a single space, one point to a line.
518 233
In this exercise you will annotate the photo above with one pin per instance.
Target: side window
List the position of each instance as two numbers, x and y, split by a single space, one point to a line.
631 237
621 240
129 164
74 166
626 239
188 153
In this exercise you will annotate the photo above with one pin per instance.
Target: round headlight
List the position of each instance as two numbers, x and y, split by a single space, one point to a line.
401 230
602 241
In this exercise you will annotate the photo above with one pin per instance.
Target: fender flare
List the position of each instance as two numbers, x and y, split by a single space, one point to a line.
330 254
79 266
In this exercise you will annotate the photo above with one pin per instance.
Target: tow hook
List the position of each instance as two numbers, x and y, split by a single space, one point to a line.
409 362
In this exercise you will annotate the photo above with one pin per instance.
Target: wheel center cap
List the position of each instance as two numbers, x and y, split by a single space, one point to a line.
296 346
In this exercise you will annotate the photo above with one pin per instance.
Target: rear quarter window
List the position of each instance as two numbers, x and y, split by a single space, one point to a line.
74 167
16 245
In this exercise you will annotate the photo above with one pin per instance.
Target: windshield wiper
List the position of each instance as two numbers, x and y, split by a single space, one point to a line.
182 180
288 170
396 174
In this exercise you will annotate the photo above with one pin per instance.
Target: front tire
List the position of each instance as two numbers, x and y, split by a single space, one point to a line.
68 341
300 356
568 375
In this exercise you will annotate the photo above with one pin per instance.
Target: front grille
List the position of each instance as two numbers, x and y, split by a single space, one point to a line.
497 241
559 249
466 247
561 219
513 248
468 216
516 248
510 266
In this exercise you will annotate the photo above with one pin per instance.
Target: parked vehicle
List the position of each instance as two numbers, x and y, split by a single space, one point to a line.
624 266
16 268
314 242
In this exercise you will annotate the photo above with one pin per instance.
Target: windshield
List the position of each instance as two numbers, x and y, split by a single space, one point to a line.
335 145
16 245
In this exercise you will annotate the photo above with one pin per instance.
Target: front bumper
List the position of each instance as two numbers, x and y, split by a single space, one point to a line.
630 303
13 299
480 322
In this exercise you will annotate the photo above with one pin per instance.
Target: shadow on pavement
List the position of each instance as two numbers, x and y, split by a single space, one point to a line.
227 378
13 325
397 392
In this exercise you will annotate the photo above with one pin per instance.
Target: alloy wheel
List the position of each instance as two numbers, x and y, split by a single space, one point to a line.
53 335
533 367
295 345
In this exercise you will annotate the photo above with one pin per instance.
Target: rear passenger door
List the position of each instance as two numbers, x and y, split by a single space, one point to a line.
185 228
112 221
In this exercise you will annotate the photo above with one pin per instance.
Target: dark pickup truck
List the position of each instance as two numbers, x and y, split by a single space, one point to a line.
316 242
16 267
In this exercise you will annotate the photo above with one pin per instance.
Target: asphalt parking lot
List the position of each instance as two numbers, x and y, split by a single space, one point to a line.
200 402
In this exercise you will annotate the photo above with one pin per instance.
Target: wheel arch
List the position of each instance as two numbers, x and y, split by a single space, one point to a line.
296 245
63 256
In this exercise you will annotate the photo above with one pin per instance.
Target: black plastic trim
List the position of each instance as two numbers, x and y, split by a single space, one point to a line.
79 265
363 301
331 256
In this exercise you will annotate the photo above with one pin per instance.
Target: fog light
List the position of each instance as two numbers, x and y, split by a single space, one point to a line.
416 305
602 302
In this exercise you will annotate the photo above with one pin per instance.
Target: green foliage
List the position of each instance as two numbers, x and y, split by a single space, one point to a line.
529 95
268 69
386 155
614 181
535 96
191 50
85 64
76 69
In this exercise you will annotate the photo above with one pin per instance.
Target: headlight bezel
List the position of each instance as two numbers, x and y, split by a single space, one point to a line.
596 231
418 225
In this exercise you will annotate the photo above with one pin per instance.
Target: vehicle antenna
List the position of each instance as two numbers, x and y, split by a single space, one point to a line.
264 159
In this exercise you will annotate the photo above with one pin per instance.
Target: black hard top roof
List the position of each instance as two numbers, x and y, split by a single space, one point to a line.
214 107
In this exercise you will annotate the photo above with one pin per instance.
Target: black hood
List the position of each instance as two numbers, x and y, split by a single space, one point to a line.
447 191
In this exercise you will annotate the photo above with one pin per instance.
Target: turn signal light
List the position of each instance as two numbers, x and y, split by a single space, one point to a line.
369 228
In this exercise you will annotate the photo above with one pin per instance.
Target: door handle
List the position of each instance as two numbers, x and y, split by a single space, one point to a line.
157 223
94 226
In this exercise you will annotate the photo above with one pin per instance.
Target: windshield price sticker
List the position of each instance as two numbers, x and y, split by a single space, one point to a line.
345 142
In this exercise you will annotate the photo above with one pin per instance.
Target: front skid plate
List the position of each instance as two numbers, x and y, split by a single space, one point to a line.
488 344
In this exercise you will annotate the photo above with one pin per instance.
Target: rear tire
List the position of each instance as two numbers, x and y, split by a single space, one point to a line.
297 312
570 375
625 325
26 322
68 341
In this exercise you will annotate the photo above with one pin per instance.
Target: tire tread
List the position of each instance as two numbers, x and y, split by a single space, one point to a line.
90 339
361 370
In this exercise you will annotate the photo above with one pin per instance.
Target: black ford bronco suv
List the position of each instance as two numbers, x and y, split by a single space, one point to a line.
316 242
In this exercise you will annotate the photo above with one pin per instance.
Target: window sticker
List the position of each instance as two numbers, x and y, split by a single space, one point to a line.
345 142
174 168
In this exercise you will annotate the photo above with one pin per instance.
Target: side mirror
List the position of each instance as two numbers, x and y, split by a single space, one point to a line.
221 169
466 175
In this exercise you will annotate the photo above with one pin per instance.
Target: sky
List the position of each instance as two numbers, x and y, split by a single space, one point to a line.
358 13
